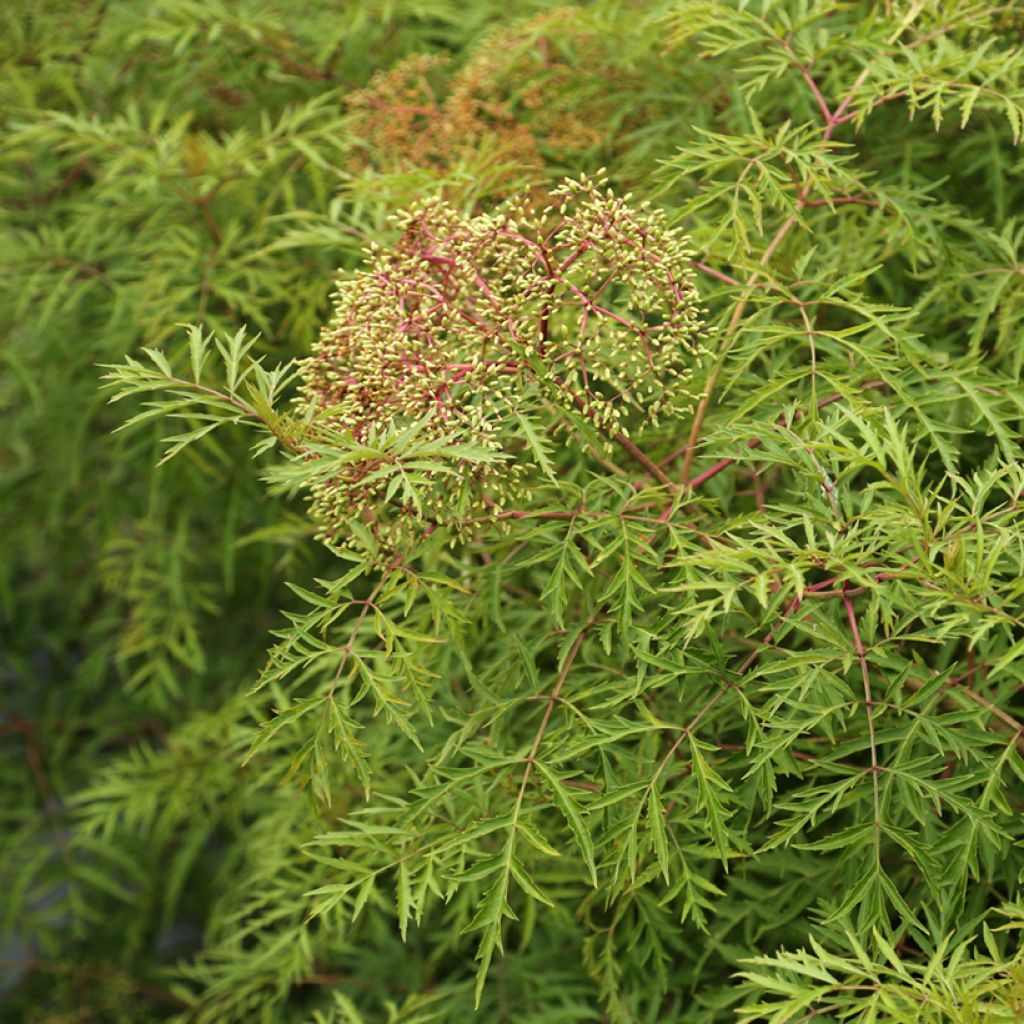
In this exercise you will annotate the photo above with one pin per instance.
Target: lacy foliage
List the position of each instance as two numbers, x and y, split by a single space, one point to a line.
664 660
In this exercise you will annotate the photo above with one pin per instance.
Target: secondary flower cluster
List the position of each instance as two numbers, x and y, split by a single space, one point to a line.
402 124
476 328
538 85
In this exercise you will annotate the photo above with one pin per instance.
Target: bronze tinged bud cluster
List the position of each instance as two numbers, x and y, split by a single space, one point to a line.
403 124
534 91
472 332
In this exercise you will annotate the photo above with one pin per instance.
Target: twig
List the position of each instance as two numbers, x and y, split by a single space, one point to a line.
548 711
870 704
756 442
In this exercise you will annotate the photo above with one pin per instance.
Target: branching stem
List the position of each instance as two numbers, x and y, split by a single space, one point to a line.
832 121
552 700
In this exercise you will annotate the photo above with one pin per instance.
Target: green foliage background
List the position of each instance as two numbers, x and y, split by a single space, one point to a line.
785 780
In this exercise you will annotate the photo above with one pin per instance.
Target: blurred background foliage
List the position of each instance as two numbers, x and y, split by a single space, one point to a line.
194 160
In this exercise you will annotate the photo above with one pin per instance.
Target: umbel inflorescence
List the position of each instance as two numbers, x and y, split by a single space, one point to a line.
474 335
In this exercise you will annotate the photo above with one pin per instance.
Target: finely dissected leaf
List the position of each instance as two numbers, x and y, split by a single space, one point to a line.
537 445
567 804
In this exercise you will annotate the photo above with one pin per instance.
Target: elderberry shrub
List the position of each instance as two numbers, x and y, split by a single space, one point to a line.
649 539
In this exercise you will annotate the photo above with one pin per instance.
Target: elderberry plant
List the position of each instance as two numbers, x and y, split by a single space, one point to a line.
655 634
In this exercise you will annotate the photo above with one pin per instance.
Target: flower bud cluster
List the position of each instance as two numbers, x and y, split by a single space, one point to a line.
470 325
553 73
540 84
403 124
